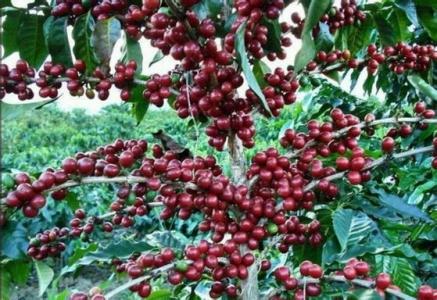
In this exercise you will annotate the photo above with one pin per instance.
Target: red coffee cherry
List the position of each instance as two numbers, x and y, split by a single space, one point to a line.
382 281
388 144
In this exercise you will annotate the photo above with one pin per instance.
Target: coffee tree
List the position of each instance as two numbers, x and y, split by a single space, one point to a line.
312 218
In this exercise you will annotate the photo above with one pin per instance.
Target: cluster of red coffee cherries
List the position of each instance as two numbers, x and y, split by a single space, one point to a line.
51 77
47 243
399 58
15 80
158 89
28 194
275 177
281 89
100 9
307 283
347 14
341 136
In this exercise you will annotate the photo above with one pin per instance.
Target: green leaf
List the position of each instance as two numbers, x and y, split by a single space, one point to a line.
260 68
243 60
13 240
5 283
324 40
308 48
168 239
31 43
305 54
12 111
12 20
385 30
426 4
82 35
402 274
81 252
400 24
132 51
428 19
105 253
19 270
105 35
398 205
208 9
422 86
409 8
45 276
351 227
72 200
55 32
139 110
273 36
368 84
157 57
160 295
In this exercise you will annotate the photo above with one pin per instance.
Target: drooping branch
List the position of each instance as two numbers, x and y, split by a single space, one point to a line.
373 164
345 130
367 284
102 180
238 163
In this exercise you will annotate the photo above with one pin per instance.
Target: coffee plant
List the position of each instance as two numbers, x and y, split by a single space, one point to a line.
313 215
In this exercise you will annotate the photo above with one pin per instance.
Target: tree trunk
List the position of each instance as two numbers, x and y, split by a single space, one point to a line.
249 287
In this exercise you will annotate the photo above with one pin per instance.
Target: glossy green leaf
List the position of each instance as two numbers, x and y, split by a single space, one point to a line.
260 68
82 35
31 43
55 33
208 8
168 239
132 51
45 276
401 272
82 252
19 270
243 61
324 40
157 57
351 227
160 295
105 35
368 84
5 283
12 111
308 49
139 104
422 86
409 8
426 4
400 24
139 110
273 36
12 20
385 29
400 206
72 200
428 19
